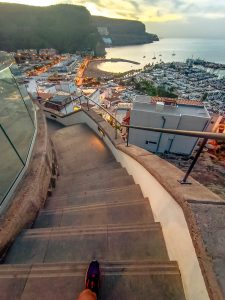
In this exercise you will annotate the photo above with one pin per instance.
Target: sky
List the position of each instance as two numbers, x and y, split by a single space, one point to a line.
167 18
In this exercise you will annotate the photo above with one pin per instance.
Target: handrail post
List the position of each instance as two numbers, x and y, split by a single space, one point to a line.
184 180
128 133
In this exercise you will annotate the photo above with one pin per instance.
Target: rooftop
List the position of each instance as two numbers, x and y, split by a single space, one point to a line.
59 98
178 101
165 105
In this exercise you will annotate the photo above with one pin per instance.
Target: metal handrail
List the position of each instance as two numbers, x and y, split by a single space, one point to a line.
104 109
196 134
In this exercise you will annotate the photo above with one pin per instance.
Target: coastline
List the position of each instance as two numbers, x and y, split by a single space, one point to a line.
103 60
93 71
206 49
163 51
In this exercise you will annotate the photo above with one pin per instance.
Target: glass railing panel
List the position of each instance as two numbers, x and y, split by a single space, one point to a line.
10 164
27 101
6 60
14 116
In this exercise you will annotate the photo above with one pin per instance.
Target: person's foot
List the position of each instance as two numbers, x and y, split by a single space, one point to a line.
92 279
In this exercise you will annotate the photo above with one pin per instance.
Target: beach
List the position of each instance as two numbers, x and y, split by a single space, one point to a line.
93 71
94 67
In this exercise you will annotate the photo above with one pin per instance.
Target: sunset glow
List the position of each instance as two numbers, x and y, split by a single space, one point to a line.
33 2
157 11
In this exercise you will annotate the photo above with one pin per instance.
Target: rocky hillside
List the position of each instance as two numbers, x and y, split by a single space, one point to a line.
124 32
66 28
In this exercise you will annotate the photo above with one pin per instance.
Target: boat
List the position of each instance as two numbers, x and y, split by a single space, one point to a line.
173 54
144 56
154 57
160 54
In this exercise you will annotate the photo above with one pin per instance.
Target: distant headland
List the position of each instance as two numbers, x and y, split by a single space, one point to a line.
67 28
118 32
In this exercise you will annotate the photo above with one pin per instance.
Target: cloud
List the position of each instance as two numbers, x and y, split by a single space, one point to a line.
160 11
167 18
194 27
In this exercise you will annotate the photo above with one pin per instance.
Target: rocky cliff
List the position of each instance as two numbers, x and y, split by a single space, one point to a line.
123 32
66 28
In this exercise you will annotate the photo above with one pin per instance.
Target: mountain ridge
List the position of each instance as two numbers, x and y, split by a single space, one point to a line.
124 32
67 28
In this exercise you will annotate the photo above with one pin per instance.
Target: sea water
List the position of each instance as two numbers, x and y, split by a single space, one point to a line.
166 50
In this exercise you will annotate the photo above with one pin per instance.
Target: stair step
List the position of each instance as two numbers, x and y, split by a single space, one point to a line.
79 148
119 280
88 229
107 267
115 226
93 177
137 211
70 166
102 183
77 163
106 242
108 166
117 194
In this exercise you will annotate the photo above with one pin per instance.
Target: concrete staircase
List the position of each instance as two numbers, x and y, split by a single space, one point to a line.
96 211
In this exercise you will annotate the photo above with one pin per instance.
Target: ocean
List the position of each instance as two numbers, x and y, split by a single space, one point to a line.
212 50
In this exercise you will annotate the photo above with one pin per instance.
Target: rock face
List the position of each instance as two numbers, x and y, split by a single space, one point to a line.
123 32
67 28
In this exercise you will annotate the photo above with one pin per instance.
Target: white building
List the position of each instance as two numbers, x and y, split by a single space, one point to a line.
93 94
27 51
49 52
69 65
103 31
107 41
67 86
105 93
32 87
48 88
166 113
